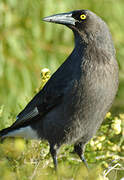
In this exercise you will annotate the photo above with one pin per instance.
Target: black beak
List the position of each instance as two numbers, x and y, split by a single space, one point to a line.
63 18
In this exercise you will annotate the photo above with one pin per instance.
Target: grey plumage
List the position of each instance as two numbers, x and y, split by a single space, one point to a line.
73 103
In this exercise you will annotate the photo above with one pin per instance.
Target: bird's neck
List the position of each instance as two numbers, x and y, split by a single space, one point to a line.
79 41
80 45
84 39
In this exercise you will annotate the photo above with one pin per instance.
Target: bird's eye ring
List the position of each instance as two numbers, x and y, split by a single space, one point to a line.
83 16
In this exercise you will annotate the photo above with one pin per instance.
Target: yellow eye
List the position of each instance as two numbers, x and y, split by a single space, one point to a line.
83 16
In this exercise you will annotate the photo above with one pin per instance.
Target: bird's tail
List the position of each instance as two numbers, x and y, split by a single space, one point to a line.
24 132
3 133
8 132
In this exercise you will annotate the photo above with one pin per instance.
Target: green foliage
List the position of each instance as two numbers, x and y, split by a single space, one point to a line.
28 45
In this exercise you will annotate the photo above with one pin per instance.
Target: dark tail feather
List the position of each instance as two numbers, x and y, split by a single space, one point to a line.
3 132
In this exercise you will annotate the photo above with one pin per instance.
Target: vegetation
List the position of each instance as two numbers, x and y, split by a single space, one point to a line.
29 45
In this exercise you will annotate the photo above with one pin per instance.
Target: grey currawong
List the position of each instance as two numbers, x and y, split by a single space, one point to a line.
73 103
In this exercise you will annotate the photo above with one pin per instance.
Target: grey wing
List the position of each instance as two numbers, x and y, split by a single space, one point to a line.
50 96
44 101
37 107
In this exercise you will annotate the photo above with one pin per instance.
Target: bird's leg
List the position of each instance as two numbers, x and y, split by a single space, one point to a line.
79 150
53 152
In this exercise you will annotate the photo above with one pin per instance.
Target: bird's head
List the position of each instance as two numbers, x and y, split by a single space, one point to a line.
86 24
78 20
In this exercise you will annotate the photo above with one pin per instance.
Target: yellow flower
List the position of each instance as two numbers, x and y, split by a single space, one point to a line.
114 148
92 142
101 138
45 73
108 115
99 146
116 126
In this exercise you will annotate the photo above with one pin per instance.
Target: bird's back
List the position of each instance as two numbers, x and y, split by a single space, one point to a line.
91 85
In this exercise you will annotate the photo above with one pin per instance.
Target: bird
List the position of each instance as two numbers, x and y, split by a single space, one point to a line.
71 106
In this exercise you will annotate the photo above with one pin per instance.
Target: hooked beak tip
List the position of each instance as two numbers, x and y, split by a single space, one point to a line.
46 19
63 18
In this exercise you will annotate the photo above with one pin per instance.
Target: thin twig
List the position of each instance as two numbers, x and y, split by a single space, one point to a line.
111 168
35 170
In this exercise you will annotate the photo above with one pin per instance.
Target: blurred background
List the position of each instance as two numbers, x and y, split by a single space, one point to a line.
27 44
